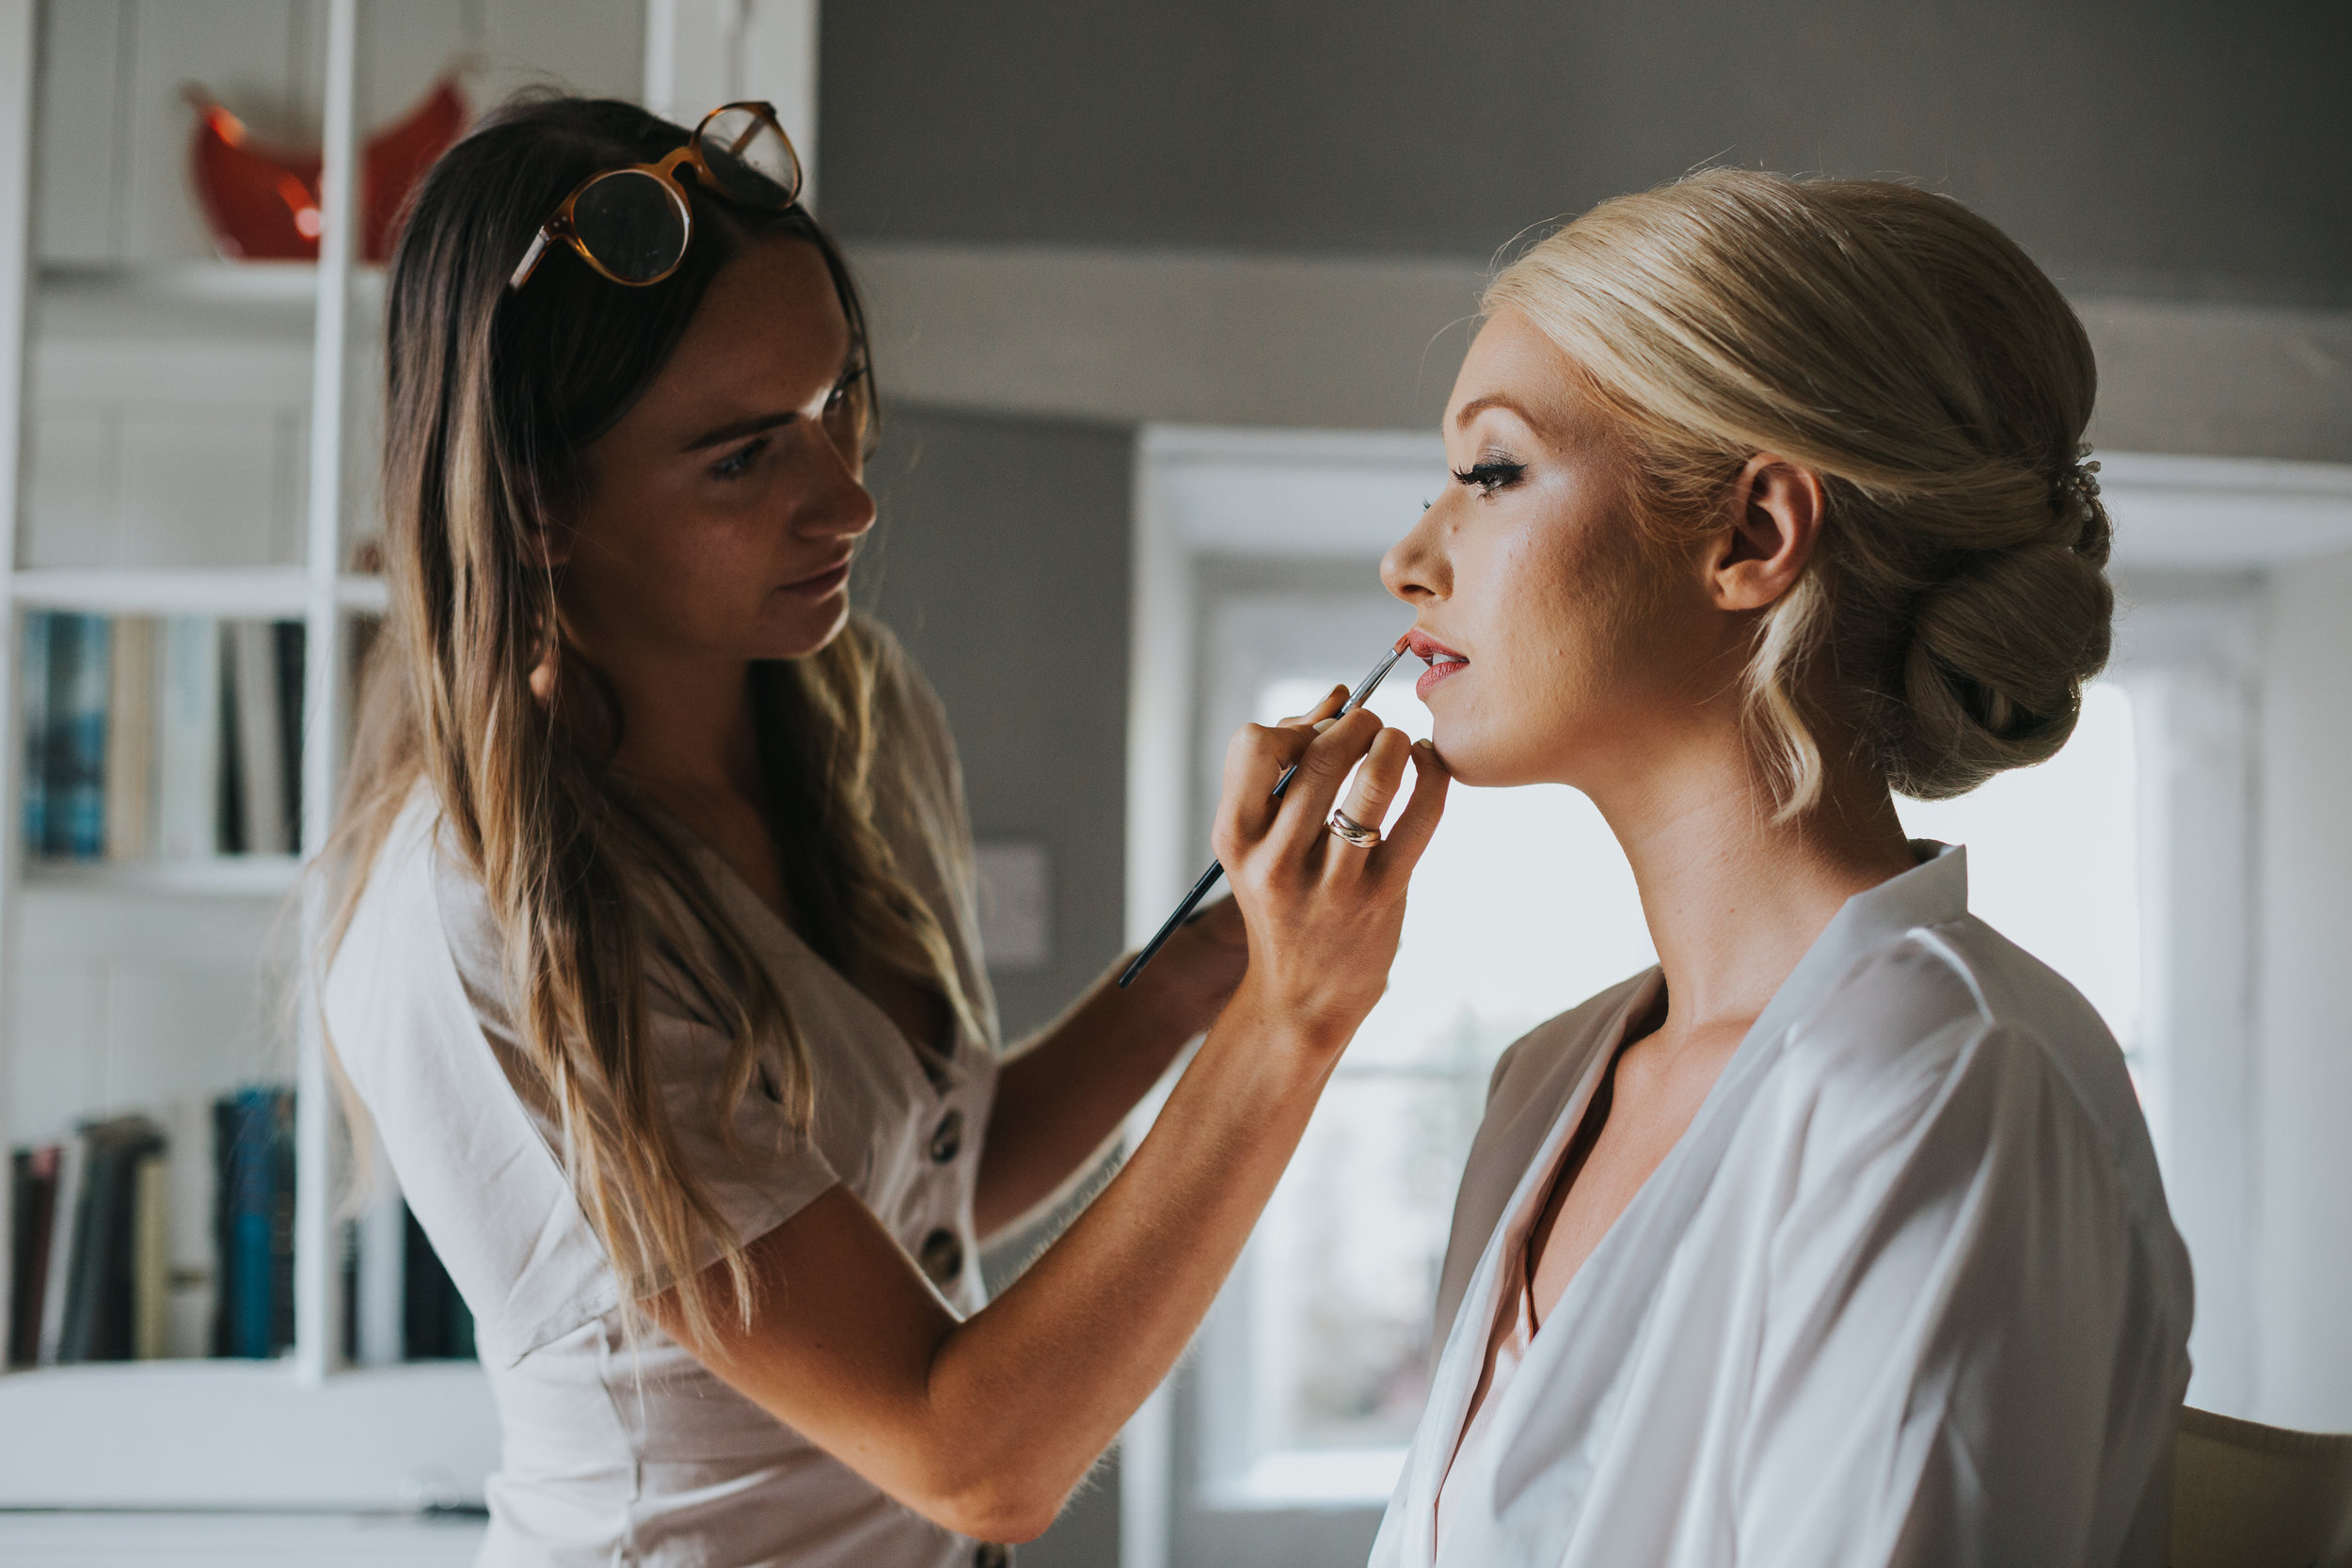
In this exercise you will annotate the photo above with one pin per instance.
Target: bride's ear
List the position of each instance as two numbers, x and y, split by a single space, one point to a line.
1773 519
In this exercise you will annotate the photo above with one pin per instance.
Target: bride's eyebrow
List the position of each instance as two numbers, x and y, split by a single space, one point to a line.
1476 406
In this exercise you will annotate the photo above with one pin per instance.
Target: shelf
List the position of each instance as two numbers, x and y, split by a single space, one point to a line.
226 1374
381 1539
193 298
221 1434
257 282
223 876
277 593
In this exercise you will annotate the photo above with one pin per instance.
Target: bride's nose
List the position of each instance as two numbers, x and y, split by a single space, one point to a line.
1415 569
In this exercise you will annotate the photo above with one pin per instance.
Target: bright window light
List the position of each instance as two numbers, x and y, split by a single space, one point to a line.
2054 866
2053 856
1522 907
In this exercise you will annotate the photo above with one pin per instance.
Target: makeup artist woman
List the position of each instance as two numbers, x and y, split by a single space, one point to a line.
655 972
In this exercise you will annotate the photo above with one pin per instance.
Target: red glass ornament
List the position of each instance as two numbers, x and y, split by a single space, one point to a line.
262 202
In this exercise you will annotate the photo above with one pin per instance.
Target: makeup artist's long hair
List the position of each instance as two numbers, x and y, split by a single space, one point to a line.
492 397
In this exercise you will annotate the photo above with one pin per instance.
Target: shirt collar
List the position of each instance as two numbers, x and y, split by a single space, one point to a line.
1932 892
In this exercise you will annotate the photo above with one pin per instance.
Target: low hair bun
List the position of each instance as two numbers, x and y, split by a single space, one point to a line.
1993 675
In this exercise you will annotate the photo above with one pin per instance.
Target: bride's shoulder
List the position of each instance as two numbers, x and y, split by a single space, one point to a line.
1561 1045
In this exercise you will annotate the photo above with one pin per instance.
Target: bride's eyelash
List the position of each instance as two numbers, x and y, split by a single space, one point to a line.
1490 476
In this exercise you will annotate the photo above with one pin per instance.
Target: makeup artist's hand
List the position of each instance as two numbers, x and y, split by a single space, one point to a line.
1323 916
1199 968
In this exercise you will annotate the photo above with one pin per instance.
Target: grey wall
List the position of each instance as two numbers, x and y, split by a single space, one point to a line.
2182 147
1277 213
1002 562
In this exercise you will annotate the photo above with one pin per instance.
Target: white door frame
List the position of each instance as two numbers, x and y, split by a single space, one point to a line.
700 53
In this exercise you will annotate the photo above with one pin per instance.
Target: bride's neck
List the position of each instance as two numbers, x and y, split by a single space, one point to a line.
1733 898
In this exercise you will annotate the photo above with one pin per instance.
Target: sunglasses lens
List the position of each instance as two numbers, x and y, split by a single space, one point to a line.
750 159
632 225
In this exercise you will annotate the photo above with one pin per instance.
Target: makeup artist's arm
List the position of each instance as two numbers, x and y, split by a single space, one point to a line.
985 1425
1061 1098
1064 1094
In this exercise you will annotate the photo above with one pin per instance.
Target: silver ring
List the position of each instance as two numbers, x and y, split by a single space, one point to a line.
1351 831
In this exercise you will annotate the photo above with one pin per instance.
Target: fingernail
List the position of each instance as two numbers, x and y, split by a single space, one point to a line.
1323 724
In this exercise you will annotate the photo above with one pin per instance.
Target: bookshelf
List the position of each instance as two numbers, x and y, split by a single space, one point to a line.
190 442
186 445
179 454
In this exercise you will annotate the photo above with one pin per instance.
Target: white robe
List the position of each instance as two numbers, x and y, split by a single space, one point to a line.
1906 1291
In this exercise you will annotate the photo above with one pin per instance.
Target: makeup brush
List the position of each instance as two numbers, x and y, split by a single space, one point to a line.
1210 878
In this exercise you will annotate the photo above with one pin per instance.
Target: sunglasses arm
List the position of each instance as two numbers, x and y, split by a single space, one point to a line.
530 260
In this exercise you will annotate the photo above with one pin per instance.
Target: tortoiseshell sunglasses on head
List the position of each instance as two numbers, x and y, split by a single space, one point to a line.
633 223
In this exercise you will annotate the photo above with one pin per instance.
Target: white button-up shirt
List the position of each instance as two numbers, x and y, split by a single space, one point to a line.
617 1452
1906 1291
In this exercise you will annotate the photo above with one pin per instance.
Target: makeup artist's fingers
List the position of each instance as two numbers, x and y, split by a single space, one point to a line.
1333 700
1253 762
1324 917
1376 780
1400 850
1300 827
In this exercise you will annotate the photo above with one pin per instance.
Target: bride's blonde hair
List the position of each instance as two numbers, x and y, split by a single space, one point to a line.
1909 354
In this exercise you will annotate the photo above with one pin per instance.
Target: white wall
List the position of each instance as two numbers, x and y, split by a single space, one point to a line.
2304 946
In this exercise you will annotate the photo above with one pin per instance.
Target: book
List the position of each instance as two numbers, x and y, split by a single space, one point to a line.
258 741
436 1323
377 1295
195 1265
130 757
188 749
32 1202
20 1251
288 640
62 1230
101 1285
33 688
254 1221
150 1257
73 788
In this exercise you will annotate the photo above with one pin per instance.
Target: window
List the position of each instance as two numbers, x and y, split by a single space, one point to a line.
2124 862
1345 1268
2054 866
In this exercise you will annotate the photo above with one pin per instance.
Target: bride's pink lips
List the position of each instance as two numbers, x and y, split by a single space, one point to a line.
1443 662
824 582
